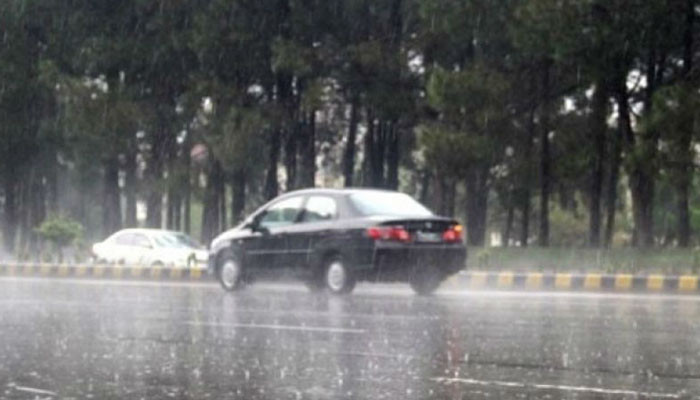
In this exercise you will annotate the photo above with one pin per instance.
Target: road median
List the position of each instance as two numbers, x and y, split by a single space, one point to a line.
469 280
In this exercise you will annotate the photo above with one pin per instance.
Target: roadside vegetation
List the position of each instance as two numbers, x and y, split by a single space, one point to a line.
672 261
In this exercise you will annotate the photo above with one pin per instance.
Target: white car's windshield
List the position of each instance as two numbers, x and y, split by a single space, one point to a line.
170 241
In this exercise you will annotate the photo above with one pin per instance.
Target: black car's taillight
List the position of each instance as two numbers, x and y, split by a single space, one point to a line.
392 233
453 234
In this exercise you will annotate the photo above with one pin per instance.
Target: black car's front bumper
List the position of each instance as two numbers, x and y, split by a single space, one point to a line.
397 262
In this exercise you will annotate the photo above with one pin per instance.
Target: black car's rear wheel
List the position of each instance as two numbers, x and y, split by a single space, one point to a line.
426 280
230 273
338 279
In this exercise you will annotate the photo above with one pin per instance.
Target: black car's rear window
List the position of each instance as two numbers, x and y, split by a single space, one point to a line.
388 203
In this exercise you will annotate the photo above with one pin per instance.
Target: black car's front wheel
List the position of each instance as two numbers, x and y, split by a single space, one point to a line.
338 279
230 273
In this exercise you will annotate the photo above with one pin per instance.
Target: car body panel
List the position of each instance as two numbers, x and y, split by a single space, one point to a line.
143 248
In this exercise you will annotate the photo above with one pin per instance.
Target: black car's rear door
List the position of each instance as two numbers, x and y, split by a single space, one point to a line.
317 222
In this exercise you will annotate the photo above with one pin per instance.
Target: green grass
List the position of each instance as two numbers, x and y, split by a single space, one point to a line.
666 261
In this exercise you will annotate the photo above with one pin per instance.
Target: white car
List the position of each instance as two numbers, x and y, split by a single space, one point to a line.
150 247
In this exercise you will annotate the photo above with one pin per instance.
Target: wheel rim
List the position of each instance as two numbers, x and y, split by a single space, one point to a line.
229 273
336 276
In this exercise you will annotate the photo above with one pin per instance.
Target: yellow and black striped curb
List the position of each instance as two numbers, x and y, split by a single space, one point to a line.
575 281
102 271
464 280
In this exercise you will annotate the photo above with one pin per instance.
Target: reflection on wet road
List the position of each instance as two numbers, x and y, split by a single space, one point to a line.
90 339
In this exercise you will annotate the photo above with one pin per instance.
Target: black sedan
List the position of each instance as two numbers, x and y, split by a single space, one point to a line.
333 238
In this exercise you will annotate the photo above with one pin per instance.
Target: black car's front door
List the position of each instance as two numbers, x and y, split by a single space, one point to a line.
316 223
267 247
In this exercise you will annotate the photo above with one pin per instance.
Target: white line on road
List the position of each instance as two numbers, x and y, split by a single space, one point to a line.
281 327
35 391
564 388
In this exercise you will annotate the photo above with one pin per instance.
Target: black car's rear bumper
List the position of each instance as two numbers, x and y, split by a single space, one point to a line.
398 262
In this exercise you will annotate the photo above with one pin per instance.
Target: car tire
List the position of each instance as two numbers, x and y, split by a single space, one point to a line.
337 278
230 272
426 281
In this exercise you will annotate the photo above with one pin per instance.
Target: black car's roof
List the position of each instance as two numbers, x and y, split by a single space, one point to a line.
337 191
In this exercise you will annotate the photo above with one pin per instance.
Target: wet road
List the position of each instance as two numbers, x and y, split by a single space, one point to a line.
91 339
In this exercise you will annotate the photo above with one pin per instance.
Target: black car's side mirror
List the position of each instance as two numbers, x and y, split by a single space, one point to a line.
254 224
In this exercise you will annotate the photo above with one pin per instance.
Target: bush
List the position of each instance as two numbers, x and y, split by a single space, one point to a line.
61 232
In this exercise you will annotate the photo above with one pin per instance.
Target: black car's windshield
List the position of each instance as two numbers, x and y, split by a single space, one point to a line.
388 203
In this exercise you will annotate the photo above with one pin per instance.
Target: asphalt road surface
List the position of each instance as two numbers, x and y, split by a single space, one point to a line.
62 339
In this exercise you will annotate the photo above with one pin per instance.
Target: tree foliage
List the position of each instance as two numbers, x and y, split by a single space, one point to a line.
138 112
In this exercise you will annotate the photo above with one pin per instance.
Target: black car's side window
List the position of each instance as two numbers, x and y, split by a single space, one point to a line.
319 208
281 214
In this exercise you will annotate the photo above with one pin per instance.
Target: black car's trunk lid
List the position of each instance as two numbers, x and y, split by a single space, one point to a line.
423 229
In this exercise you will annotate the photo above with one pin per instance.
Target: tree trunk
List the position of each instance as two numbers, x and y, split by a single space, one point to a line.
9 231
525 193
424 186
211 212
545 170
51 173
683 213
238 185
187 190
307 172
368 151
477 200
510 216
598 128
271 182
111 208
392 157
221 195
450 197
641 186
36 210
349 154
642 182
130 182
378 154
613 179
172 219
290 155
154 201
629 141
685 170
440 196
177 212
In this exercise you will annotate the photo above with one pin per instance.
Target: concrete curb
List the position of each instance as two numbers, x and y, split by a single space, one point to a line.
574 281
475 280
101 271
